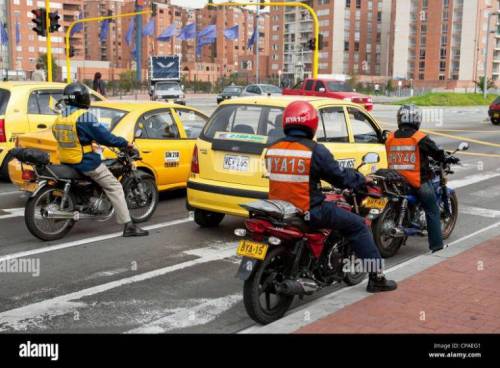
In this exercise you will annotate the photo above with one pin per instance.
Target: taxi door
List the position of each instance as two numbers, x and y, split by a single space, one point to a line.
333 132
366 137
40 114
161 146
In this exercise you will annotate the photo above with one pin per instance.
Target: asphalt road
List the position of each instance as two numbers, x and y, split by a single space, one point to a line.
181 277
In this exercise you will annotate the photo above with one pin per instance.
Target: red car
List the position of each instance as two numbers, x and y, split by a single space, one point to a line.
494 111
332 88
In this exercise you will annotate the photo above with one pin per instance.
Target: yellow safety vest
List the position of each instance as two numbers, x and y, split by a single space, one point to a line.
70 149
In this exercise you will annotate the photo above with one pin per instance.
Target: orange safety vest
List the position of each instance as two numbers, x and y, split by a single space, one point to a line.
403 155
289 167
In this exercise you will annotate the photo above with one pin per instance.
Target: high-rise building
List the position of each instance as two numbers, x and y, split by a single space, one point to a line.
442 43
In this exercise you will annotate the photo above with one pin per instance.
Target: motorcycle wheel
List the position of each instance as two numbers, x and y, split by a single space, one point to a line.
354 278
140 212
41 227
387 245
448 224
258 288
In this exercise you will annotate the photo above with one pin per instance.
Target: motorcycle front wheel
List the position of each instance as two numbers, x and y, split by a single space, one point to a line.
141 208
448 222
262 303
35 214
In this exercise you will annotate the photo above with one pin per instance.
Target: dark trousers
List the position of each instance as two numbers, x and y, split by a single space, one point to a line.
427 196
350 225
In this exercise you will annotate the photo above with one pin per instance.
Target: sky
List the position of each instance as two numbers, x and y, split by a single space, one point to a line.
196 3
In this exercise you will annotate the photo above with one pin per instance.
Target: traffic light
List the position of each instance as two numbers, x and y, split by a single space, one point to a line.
311 45
154 9
40 22
54 22
72 51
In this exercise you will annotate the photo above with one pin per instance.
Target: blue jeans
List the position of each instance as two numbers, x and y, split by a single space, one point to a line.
427 196
353 227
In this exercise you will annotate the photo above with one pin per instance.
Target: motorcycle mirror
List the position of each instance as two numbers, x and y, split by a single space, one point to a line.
371 158
138 133
463 146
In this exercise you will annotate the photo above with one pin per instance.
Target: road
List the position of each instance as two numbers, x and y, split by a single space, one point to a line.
181 278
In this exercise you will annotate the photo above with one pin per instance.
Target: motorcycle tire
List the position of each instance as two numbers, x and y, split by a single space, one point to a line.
387 248
149 181
454 216
252 295
31 221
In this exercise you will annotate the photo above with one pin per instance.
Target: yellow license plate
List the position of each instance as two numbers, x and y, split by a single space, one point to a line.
378 203
252 249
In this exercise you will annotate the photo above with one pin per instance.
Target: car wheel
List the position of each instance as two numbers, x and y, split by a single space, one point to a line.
495 121
207 219
4 168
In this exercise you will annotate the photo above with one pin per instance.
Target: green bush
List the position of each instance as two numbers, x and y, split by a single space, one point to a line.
449 99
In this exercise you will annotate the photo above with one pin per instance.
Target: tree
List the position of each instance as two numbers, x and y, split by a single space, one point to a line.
56 70
389 86
480 83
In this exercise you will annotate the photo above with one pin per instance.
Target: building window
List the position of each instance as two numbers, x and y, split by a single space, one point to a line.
346 46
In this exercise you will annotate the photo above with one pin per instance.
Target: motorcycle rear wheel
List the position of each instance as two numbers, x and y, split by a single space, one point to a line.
254 289
43 228
387 245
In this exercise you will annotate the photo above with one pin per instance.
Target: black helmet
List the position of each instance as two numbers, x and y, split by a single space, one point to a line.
409 115
78 95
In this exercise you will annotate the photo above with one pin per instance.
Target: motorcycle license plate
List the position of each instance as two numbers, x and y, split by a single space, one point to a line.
378 203
251 249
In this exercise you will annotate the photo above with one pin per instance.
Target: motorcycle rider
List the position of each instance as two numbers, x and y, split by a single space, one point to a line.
76 130
297 164
408 152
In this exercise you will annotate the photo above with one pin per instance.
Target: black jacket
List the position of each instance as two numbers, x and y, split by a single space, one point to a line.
428 148
325 167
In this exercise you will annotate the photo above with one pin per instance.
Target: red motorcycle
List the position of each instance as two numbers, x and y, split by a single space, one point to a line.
284 258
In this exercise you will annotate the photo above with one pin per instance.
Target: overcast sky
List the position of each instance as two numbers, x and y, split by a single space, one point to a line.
196 3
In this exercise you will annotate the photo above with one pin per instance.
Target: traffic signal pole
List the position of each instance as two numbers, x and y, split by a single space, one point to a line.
87 20
291 4
49 43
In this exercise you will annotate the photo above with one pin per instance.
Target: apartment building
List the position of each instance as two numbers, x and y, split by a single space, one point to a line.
442 43
25 45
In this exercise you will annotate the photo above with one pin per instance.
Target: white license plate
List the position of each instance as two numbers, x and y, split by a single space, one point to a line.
236 163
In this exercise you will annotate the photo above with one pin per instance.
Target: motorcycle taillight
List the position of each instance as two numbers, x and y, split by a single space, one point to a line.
28 175
256 226
287 233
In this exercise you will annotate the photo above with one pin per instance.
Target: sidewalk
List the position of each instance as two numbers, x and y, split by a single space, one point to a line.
459 295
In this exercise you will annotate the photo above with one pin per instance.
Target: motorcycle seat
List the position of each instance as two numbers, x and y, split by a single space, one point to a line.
62 172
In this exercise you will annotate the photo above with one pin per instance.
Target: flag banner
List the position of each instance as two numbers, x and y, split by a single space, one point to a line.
77 27
205 37
4 36
251 41
149 29
188 32
130 31
103 35
232 33
18 33
167 33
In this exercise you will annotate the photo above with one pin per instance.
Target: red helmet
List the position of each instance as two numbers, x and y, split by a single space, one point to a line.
301 115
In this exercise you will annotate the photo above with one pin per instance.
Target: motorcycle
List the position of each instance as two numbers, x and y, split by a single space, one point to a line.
284 258
64 196
403 216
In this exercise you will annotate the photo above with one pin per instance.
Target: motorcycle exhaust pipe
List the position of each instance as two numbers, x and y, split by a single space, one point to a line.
297 287
63 215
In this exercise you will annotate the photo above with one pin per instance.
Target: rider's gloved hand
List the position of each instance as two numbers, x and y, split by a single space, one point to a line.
452 160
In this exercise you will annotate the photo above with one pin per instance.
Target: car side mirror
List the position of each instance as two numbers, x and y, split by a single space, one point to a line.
369 158
463 146
385 134
322 90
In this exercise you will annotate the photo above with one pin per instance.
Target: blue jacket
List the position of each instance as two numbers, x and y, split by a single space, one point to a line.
90 130
325 167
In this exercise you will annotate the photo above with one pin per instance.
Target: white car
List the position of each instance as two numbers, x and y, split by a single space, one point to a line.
261 90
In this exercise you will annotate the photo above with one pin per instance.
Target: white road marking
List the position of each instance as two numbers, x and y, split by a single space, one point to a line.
205 311
34 315
477 211
94 239
11 193
12 212
472 179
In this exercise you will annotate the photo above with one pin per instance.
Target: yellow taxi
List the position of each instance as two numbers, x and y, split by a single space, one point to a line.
228 167
165 134
25 108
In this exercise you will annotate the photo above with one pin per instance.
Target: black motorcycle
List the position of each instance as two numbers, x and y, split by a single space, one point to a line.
64 196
